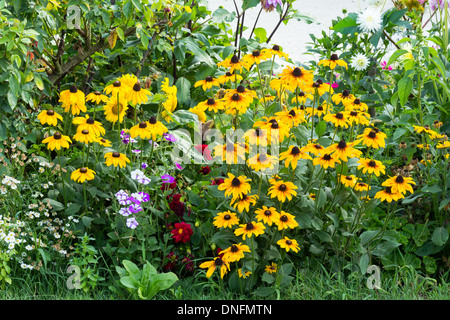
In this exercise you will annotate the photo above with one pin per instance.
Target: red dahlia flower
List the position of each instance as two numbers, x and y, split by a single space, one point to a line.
182 232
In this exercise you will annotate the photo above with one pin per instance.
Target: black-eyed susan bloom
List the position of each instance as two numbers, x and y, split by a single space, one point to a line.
277 130
117 89
116 159
371 166
249 229
97 97
90 124
388 195
257 137
200 112
271 268
400 184
267 215
73 100
85 136
49 117
362 186
217 263
243 202
137 94
262 161
233 64
115 110
226 219
235 252
156 128
337 119
235 186
298 77
343 150
286 221
57 141
282 190
211 104
314 148
288 244
229 77
326 161
256 57
244 275
83 174
301 97
332 62
207 83
292 117
292 155
356 105
373 137
345 97
355 117
230 153
348 181
140 130
103 142
276 50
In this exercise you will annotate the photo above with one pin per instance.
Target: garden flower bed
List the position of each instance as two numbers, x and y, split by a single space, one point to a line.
144 145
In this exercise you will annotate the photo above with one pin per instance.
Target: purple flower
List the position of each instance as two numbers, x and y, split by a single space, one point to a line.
434 4
270 5
135 207
140 177
125 212
132 223
170 137
140 197
179 167
167 178
137 151
144 165
123 198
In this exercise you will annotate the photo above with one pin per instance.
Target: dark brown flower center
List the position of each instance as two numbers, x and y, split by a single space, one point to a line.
83 170
85 131
116 154
282 187
228 74
137 86
339 116
288 242
97 93
90 121
334 57
218 262
57 135
399 179
211 102
249 226
116 83
152 120
229 147
372 164
73 89
345 93
292 113
297 72
234 59
284 218
240 88
348 178
262 157
276 48
389 190
235 97
372 134
357 101
235 182
143 125
256 53
301 94
268 213
227 217
234 248
50 112
320 108
342 144
327 157
353 113
295 150
275 125
258 132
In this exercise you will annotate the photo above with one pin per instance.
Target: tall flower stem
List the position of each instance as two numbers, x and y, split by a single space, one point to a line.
62 180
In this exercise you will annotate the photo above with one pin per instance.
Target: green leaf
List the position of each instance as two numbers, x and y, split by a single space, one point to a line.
347 25
183 90
129 282
364 263
399 132
432 189
397 54
440 236
137 4
261 34
192 46
159 282
405 86
264 291
132 269
321 127
430 264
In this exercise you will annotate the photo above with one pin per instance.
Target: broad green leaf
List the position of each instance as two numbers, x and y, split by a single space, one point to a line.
440 236
261 34
405 86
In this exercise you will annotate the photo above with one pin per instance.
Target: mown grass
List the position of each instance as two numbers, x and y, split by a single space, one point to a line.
402 284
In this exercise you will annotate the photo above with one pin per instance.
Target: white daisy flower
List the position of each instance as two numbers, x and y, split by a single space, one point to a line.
370 20
359 62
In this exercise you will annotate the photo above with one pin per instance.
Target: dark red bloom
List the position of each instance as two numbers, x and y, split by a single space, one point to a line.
166 186
176 205
217 181
205 170
187 263
172 259
182 232
203 149
218 250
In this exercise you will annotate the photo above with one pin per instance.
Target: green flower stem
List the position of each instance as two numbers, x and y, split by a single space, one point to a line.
62 179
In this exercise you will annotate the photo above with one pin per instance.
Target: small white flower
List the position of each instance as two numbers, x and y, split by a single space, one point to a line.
370 20
360 62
